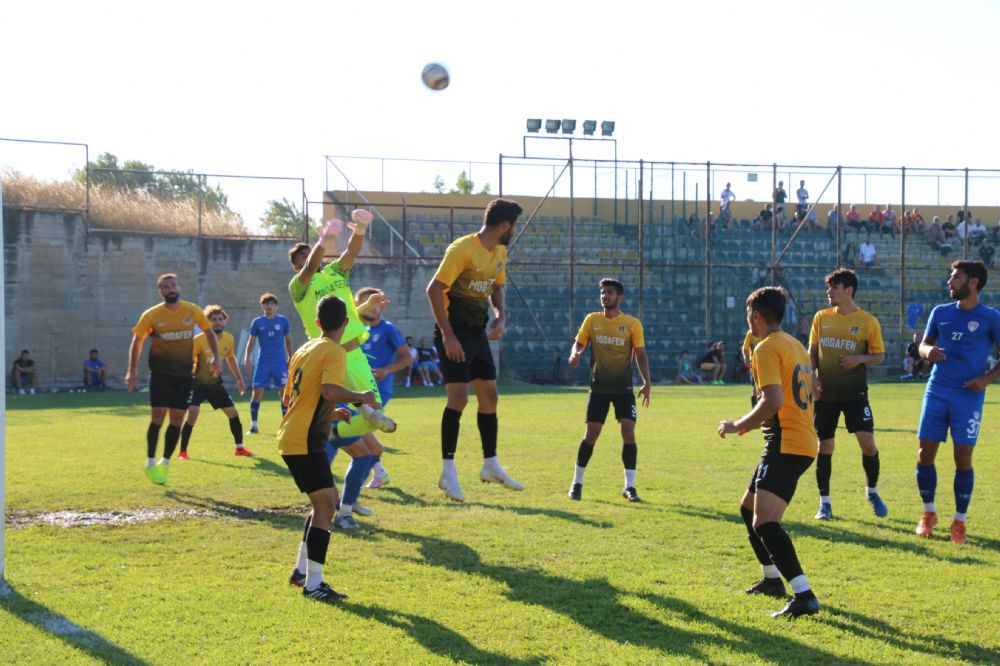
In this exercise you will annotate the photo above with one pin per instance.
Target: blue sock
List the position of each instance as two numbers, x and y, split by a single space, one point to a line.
963 489
357 472
254 408
283 409
927 482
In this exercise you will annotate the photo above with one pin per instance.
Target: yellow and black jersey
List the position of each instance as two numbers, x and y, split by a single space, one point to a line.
781 360
612 345
838 335
472 273
173 335
306 425
203 357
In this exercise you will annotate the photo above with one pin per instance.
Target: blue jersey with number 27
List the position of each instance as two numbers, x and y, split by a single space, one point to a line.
967 336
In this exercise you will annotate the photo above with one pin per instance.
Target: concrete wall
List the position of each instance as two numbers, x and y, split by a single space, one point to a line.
69 289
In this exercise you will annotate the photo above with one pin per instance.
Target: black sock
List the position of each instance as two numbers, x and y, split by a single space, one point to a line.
824 467
317 541
307 525
488 427
872 466
583 453
170 437
152 436
236 428
779 546
449 432
630 453
758 546
186 435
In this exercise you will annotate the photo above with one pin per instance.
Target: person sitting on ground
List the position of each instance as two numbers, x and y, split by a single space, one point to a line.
913 362
25 372
95 372
685 370
713 363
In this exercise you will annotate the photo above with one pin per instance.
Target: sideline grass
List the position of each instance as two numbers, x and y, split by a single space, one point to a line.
521 578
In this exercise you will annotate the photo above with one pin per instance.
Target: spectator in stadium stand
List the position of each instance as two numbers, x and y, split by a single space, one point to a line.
779 197
850 255
986 252
812 221
765 217
854 220
874 220
762 275
995 231
948 228
917 223
802 194
890 223
913 362
935 236
832 220
866 254
977 231
727 197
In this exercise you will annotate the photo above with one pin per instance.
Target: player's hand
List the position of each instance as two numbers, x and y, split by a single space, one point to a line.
817 387
240 386
850 361
978 384
368 398
131 380
361 219
936 354
342 414
574 359
246 365
215 368
453 348
496 329
644 392
332 229
379 373
727 428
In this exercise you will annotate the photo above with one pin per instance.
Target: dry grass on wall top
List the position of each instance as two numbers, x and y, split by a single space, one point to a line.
112 209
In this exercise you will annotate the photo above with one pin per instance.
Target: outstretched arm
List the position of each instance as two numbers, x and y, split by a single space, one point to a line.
360 219
319 250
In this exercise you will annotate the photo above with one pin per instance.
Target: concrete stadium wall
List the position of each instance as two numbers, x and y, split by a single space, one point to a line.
69 289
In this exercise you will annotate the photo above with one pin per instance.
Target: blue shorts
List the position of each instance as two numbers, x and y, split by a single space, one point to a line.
958 410
385 388
270 374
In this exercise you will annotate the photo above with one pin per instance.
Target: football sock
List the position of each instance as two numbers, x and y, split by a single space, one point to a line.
927 484
779 545
345 509
170 437
150 462
487 433
236 428
449 432
448 466
254 409
964 479
630 453
872 466
800 586
300 563
186 435
578 473
284 410
378 468
152 435
583 453
770 571
759 550
824 467
356 474
317 542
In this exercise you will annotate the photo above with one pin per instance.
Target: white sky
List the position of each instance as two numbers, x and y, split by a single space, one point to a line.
269 88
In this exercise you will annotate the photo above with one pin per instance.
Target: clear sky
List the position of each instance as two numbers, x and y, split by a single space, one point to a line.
269 88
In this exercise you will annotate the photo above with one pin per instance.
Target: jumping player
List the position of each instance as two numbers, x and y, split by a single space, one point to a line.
615 338
274 332
958 339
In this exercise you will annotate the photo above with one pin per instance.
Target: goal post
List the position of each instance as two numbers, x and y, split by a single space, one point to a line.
3 413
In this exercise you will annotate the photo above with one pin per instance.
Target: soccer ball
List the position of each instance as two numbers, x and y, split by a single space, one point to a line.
435 76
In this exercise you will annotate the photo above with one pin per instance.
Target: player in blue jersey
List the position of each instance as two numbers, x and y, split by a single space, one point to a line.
958 340
387 353
273 332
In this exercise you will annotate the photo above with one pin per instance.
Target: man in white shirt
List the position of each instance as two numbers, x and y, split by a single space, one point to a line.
802 194
727 197
866 253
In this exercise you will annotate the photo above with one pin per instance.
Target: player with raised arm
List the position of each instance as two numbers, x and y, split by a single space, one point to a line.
783 411
274 333
843 342
315 387
207 386
615 340
171 325
470 279
958 339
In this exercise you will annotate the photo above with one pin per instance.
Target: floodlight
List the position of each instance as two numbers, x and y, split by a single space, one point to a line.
568 126
534 124
588 127
607 128
552 126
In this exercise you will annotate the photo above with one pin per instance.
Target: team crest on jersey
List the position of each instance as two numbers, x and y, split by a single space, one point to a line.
973 325
375 337
621 330
854 330
277 327
975 415
187 321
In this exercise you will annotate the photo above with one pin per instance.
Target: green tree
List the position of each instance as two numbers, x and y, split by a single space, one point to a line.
282 218
439 184
463 185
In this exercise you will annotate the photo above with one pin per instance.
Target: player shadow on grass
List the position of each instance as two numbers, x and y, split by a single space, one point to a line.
837 532
260 465
434 636
85 640
597 605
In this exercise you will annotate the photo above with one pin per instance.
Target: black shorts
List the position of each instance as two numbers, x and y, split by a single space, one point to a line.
779 473
857 416
478 362
217 396
598 405
311 471
169 391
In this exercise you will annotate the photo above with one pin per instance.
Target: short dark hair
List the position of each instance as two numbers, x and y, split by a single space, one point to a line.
499 211
25 351
94 351
613 283
298 247
163 278
332 313
769 302
268 297
845 277
972 269
215 309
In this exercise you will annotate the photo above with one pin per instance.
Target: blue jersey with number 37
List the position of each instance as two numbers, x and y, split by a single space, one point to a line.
967 336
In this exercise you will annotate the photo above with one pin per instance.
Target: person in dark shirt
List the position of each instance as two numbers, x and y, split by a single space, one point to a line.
713 363
25 372
913 362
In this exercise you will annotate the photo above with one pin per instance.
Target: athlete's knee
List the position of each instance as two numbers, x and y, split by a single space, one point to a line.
963 457
628 431
927 452
826 446
593 432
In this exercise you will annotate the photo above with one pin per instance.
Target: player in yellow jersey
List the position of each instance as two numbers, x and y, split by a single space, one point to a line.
843 342
171 325
317 374
615 340
209 387
784 413
470 279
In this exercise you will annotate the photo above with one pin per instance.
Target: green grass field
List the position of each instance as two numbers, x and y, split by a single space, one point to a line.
522 578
